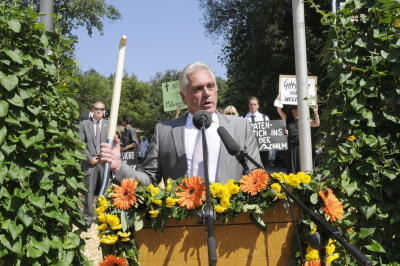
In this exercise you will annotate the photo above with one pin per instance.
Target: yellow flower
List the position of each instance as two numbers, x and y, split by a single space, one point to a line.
123 234
100 210
225 202
170 202
112 219
280 176
331 258
233 189
281 196
102 218
116 227
350 229
109 239
224 192
304 178
102 227
311 254
153 213
218 208
351 138
157 201
169 184
276 188
330 248
153 190
103 202
215 188
292 180
125 239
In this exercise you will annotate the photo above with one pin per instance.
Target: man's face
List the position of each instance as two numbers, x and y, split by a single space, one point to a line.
253 106
98 111
202 92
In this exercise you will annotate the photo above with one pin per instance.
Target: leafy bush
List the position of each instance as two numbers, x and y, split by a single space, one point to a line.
40 156
362 123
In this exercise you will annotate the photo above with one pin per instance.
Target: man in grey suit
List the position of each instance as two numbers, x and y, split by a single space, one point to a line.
93 131
174 147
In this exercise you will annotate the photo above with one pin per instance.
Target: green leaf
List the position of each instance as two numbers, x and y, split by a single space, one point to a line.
42 245
27 142
375 247
8 82
38 201
33 252
344 76
15 229
366 232
360 43
371 140
258 221
72 241
314 198
3 133
17 101
124 221
24 215
5 242
14 25
3 109
138 222
15 55
368 211
8 149
389 174
349 187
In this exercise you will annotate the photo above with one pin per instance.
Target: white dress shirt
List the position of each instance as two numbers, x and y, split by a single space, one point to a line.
213 144
94 124
258 117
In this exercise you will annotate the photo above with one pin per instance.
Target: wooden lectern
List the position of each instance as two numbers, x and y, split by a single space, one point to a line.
239 242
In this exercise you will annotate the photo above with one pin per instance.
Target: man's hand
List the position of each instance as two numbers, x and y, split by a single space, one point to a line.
94 160
111 155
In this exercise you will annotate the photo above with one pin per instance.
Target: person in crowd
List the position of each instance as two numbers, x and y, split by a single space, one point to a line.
93 131
129 142
175 149
255 116
230 110
292 124
144 145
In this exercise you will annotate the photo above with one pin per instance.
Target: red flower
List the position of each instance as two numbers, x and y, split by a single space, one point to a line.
112 260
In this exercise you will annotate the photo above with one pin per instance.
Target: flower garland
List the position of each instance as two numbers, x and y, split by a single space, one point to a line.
127 207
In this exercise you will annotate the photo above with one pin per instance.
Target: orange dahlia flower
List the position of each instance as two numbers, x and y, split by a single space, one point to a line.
254 182
124 195
313 263
193 193
333 207
112 260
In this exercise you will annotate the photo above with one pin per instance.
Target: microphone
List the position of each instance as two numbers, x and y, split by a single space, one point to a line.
230 144
201 118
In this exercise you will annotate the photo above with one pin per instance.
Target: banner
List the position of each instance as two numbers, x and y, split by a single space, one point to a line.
270 134
288 89
171 96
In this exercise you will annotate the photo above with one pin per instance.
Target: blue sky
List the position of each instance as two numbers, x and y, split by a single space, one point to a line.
162 34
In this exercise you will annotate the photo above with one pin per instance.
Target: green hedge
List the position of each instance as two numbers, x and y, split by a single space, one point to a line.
40 176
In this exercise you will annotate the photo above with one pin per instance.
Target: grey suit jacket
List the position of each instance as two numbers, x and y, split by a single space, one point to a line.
166 157
86 133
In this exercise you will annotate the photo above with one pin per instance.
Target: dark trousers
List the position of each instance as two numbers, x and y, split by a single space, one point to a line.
93 181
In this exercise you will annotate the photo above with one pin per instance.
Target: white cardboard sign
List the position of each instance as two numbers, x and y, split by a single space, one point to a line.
288 89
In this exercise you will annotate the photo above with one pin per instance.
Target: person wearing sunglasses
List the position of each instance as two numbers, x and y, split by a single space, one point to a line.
93 131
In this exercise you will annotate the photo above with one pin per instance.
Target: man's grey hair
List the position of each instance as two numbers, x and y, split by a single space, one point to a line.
189 69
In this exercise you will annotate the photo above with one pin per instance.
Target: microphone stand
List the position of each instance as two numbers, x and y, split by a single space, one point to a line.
326 229
209 212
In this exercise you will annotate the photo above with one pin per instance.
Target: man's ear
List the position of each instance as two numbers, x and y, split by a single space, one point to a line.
183 97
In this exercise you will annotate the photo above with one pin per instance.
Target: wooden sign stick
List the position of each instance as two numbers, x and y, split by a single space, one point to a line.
112 123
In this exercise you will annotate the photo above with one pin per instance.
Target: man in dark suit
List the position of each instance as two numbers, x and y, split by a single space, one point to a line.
93 131
174 149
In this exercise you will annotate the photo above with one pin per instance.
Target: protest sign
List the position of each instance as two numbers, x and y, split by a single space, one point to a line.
270 134
288 89
171 97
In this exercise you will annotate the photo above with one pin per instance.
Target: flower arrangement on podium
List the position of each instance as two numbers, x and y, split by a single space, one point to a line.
124 209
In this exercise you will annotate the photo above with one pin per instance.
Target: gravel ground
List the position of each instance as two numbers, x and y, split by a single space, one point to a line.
92 250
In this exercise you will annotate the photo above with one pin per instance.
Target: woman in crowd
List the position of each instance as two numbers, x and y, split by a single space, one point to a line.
230 110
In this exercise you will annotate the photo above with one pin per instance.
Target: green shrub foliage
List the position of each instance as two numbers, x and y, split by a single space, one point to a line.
40 176
364 102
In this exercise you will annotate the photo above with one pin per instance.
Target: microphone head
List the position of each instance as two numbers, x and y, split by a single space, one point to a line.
202 117
231 146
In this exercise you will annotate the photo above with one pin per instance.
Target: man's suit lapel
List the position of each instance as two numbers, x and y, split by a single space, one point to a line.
178 135
223 153
90 127
104 128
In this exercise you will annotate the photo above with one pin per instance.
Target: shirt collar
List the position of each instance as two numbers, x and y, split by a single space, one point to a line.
189 120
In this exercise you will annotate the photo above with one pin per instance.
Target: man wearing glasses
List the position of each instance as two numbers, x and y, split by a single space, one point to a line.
93 131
